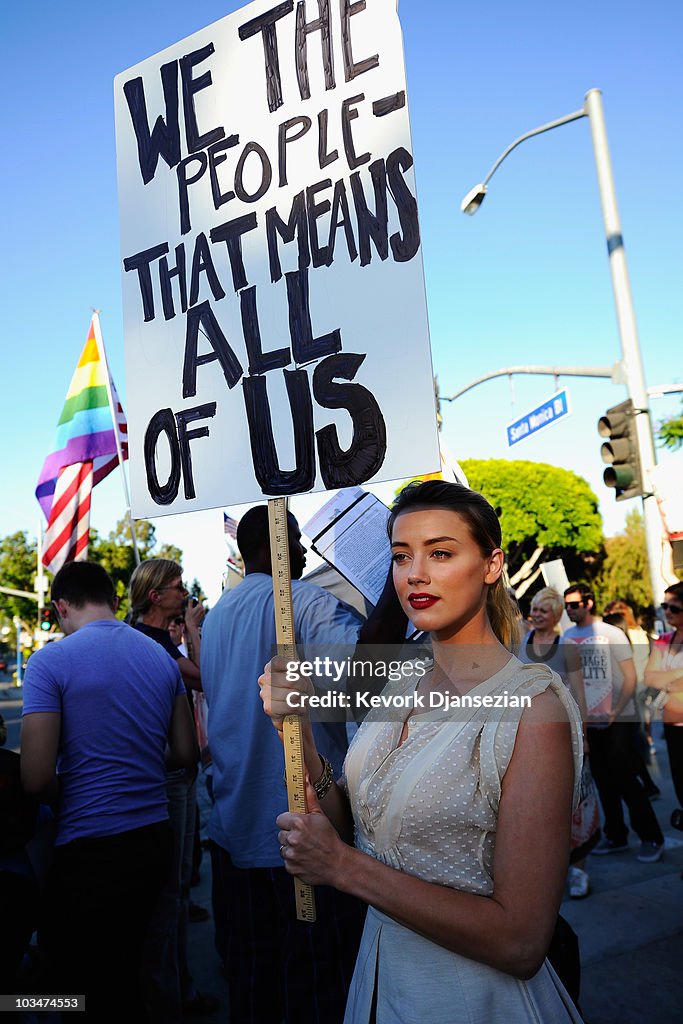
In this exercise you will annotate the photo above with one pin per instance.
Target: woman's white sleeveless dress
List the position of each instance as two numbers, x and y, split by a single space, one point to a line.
429 808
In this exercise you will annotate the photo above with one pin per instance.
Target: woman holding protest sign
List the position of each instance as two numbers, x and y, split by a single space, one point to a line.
461 816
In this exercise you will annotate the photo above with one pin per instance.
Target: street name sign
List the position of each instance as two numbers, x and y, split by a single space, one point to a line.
554 409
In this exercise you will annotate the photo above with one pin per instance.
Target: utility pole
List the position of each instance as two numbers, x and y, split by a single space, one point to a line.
628 333
40 585
17 625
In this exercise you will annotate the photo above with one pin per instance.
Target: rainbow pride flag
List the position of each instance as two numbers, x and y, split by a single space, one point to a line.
85 431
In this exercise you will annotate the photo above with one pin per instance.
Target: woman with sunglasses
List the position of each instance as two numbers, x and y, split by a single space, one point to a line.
158 596
461 818
664 672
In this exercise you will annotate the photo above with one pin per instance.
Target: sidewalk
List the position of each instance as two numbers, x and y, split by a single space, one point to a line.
631 926
630 929
205 965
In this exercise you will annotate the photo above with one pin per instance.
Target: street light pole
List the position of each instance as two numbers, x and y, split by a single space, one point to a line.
628 333
40 586
626 321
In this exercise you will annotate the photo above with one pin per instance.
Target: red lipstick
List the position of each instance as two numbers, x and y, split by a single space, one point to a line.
419 601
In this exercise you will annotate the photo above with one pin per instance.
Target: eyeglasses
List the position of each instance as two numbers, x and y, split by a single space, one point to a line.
175 586
675 609
573 605
180 621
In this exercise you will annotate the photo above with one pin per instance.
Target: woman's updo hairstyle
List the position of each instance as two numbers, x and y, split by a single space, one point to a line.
484 526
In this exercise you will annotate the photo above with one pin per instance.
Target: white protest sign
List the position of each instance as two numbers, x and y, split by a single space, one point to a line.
666 480
274 308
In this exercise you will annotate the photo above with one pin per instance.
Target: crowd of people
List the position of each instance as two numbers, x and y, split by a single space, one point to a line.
443 825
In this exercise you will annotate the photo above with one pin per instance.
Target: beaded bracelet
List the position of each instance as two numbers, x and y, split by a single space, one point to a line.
324 783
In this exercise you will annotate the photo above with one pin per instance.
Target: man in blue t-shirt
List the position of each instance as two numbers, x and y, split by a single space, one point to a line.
277 967
105 713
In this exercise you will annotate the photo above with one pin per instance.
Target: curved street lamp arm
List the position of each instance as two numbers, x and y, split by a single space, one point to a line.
528 135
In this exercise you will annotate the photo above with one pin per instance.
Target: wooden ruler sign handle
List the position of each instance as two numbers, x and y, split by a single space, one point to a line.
284 632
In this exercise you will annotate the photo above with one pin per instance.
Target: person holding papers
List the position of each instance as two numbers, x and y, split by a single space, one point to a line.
461 816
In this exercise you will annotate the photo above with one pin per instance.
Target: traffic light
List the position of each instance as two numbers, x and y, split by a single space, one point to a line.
45 620
620 451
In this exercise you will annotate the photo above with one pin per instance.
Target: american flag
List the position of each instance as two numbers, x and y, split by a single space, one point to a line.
229 527
67 533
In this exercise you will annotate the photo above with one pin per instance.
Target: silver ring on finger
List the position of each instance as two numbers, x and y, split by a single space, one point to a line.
283 847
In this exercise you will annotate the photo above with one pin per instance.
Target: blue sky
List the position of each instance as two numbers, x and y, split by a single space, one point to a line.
525 281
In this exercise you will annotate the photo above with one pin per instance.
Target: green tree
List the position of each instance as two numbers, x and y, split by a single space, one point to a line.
18 572
197 591
624 574
670 432
117 555
545 512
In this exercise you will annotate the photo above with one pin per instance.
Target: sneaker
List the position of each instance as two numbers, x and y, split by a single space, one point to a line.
608 846
579 884
650 852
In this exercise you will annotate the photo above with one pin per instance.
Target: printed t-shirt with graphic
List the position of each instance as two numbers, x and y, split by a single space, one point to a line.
602 649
